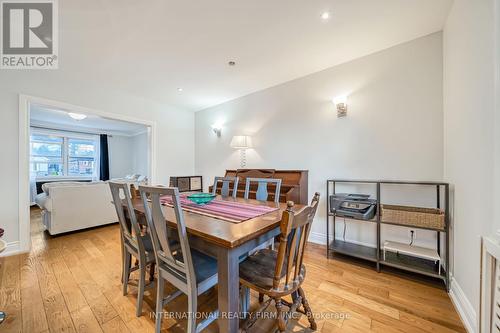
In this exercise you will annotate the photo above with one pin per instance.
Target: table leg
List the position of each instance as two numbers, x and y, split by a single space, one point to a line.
245 301
228 268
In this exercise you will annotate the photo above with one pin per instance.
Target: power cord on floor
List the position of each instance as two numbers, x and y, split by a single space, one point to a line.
412 235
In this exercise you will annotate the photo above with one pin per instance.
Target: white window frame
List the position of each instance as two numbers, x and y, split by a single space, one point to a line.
48 142
66 135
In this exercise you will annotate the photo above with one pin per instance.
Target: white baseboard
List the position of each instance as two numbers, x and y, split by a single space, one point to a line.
320 238
463 307
317 238
13 248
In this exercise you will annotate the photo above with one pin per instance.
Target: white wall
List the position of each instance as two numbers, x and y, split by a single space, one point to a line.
128 155
66 85
469 139
496 55
393 129
121 155
139 144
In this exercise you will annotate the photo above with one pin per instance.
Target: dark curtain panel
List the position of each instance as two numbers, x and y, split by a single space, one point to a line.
104 158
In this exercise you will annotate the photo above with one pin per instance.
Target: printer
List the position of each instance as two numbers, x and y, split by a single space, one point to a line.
357 206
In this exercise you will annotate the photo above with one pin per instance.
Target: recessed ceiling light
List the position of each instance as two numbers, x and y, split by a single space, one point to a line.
325 16
231 63
77 116
180 89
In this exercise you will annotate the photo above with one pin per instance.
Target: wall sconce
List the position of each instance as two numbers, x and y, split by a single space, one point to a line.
217 128
242 142
341 105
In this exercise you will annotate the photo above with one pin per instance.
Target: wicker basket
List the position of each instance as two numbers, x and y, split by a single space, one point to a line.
431 218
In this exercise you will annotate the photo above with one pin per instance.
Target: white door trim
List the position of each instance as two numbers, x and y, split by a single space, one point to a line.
24 186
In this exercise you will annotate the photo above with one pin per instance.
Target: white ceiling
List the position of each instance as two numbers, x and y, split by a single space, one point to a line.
57 119
150 48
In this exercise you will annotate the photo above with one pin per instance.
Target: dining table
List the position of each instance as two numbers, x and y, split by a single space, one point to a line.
227 242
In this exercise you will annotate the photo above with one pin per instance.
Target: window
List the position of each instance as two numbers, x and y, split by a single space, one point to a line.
47 155
57 155
81 157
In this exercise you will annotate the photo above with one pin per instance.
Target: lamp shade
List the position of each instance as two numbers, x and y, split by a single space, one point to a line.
241 142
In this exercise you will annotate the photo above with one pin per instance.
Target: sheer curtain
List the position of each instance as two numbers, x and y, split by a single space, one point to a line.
33 192
32 187
96 175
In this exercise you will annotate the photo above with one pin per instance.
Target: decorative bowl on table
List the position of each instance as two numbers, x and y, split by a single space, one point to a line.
201 198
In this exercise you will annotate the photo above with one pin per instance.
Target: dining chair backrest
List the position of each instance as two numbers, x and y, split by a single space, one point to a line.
134 192
295 230
262 193
226 182
165 255
129 226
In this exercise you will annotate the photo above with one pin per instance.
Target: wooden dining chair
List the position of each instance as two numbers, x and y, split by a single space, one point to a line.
135 242
281 273
226 182
134 194
191 272
134 191
262 193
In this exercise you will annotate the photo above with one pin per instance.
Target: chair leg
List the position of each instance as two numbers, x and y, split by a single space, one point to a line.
152 272
307 309
159 303
192 310
281 315
127 259
122 248
140 288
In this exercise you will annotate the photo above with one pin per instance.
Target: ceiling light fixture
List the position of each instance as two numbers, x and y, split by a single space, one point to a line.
180 89
77 116
325 16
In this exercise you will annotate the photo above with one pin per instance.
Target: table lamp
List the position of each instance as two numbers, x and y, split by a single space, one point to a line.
242 142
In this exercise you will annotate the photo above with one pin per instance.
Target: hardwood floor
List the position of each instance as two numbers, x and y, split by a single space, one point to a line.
71 283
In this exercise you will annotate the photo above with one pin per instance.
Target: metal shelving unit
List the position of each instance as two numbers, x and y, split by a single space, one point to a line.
374 254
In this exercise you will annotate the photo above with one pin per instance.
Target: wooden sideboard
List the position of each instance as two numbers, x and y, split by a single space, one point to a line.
294 185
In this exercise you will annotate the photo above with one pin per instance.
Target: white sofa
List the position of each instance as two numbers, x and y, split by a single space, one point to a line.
70 206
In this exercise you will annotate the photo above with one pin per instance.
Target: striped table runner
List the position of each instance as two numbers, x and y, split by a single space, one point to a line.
235 212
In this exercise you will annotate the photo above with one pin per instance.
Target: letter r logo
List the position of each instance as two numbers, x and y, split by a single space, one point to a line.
27 27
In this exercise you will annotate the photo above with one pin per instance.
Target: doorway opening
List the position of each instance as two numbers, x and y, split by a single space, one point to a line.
66 145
